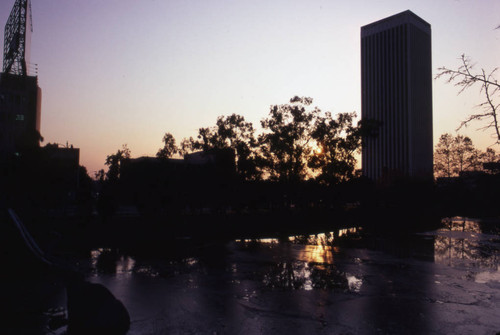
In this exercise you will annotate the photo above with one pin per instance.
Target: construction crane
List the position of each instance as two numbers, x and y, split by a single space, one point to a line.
17 38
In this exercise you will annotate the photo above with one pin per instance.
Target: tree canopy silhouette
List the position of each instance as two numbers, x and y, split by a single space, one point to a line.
229 132
457 154
337 139
301 142
285 144
115 161
169 148
297 142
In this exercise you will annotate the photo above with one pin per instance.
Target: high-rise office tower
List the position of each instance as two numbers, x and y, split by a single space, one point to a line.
396 83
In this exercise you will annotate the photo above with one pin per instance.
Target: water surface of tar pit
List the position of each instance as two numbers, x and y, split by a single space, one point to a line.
440 282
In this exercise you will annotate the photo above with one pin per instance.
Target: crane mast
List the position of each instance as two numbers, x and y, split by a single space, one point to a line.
17 39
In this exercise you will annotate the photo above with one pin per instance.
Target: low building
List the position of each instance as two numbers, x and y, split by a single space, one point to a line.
200 180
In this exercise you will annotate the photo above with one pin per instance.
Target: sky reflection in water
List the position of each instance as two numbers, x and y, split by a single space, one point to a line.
307 262
310 266
311 278
469 244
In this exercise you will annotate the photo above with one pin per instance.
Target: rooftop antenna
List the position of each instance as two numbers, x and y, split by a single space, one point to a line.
17 38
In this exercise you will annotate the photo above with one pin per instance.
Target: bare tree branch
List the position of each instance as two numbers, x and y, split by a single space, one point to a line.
464 77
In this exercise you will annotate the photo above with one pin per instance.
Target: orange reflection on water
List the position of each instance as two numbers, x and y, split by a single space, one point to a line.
317 239
321 254
347 231
258 240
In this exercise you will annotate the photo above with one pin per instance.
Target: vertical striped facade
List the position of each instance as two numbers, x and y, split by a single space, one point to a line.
396 84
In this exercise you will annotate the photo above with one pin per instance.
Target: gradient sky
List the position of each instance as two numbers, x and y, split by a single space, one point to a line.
127 71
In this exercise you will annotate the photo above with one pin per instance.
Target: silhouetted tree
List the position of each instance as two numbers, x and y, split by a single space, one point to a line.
465 77
100 175
169 148
489 156
186 146
490 161
114 163
465 154
84 180
229 132
235 133
337 142
286 144
455 155
300 142
443 160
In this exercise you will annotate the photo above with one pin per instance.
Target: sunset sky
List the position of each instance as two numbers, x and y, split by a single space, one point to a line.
127 71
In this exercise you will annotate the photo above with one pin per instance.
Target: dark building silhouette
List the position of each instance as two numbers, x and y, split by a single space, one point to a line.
62 164
199 180
396 82
20 96
31 177
20 111
65 156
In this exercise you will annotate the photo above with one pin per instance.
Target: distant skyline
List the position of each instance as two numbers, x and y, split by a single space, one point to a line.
115 72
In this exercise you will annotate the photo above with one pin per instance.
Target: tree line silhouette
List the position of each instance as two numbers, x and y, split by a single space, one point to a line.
297 163
303 162
297 143
456 155
300 167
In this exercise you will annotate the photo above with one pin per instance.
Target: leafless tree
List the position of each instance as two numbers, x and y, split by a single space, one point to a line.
465 76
